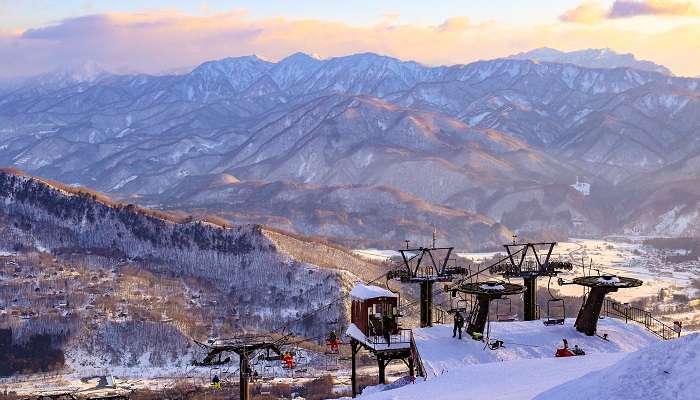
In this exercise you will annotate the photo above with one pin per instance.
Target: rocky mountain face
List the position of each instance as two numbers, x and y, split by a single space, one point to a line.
591 58
475 150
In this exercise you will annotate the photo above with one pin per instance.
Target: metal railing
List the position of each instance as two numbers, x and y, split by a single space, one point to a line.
404 336
439 315
614 309
420 369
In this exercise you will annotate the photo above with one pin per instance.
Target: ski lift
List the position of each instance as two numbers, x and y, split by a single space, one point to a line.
267 373
214 377
554 306
504 310
332 343
458 303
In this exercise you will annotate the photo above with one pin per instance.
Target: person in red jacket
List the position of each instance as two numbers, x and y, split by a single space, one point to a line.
333 342
564 352
289 360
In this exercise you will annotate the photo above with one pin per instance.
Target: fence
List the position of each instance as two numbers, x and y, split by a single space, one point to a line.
614 309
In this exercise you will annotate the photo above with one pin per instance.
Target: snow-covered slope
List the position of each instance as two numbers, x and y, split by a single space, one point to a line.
523 340
664 371
523 369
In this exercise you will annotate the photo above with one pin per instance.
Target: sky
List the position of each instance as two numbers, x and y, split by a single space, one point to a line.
157 36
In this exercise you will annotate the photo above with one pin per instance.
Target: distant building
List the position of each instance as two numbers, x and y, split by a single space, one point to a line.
582 187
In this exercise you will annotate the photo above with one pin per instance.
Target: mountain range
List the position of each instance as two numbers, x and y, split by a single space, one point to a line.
371 150
591 58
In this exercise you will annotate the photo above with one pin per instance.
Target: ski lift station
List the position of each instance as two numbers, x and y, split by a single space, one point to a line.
504 353
471 339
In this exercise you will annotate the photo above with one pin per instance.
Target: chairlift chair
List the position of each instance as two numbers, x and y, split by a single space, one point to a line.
554 304
504 310
458 304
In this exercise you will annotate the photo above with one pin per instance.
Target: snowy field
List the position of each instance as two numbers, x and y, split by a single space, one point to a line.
523 369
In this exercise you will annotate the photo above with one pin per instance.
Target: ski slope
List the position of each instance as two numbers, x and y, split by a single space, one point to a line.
523 340
664 371
522 370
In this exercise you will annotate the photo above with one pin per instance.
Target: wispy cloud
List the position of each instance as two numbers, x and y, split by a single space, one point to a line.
160 41
594 11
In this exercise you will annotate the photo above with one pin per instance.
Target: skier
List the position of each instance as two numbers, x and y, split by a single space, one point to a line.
564 352
333 342
579 351
289 360
458 325
216 382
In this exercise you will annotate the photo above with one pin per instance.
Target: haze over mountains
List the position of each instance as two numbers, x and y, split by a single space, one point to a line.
357 148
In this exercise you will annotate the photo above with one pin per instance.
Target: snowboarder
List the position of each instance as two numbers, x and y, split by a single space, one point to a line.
458 325
579 351
564 352
216 382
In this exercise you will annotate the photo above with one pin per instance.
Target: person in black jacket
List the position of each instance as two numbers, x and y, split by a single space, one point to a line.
458 325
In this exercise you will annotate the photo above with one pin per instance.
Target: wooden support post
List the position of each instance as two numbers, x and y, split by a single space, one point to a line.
530 299
382 369
244 373
426 304
411 368
353 373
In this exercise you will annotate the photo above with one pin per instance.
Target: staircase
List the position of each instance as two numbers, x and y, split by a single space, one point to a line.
614 309
420 369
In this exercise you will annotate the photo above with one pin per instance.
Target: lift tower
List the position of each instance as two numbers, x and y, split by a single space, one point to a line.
525 262
426 266
587 320
244 346
485 292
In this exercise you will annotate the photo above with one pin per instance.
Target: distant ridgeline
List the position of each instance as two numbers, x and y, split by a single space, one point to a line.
242 261
38 353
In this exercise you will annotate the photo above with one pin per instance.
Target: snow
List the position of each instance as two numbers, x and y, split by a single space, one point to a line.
524 369
440 352
609 281
492 287
380 255
123 182
364 292
510 380
664 371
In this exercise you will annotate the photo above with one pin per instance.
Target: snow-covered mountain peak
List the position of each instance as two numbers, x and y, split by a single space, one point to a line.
591 58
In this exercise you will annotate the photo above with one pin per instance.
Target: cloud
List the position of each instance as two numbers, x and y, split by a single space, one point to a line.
593 12
165 41
629 8
587 13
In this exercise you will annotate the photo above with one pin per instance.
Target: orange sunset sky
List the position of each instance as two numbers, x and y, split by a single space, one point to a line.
156 36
